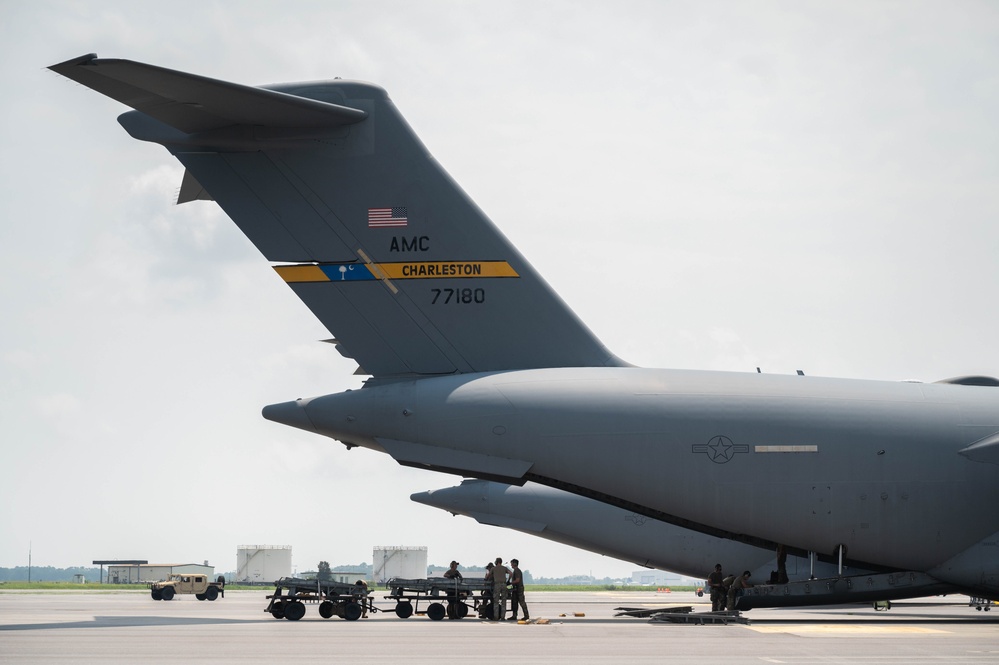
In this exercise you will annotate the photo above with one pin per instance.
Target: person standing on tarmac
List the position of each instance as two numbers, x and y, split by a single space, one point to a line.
455 599
717 589
453 573
486 610
500 576
517 591
362 592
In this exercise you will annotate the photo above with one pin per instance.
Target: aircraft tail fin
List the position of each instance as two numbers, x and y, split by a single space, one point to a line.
328 180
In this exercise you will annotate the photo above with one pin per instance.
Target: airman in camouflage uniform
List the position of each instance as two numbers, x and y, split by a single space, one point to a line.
500 575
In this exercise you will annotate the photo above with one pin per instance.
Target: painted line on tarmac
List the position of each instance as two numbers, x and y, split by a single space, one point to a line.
832 629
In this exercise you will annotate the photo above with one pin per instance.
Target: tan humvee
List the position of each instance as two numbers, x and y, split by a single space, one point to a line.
188 583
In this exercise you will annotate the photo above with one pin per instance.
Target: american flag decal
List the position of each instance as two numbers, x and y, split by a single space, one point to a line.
385 217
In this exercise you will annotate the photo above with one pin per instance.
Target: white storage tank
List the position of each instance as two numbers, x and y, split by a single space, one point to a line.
263 563
398 561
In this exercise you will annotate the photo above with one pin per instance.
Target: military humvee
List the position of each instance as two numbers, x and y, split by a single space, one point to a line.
188 583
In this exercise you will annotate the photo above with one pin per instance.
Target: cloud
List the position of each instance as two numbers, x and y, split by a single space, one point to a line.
59 406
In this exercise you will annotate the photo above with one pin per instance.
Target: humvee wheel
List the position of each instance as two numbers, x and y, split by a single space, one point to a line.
199 596
155 593
167 593
211 593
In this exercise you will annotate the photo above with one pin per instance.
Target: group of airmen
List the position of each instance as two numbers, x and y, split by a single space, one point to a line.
506 583
725 590
509 583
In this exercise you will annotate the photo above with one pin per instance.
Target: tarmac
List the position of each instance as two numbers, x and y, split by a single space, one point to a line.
130 627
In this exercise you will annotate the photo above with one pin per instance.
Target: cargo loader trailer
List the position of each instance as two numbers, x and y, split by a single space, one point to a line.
442 597
292 595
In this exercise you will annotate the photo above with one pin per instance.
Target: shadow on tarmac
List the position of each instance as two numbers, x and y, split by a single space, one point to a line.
131 622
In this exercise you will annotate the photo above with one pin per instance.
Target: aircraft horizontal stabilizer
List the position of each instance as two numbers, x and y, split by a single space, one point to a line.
192 103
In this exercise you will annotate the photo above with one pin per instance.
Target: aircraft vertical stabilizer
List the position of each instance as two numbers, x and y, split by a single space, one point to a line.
328 179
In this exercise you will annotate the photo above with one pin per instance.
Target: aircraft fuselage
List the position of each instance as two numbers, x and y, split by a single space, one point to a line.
813 463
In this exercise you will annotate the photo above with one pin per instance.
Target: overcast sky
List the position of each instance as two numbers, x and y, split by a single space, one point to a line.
710 185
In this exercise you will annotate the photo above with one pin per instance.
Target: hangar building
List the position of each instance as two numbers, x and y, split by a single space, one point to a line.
142 573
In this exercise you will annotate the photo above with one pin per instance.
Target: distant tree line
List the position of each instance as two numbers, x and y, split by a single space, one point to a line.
434 570
581 580
48 574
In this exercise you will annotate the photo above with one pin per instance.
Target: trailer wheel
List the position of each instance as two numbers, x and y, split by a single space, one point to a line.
326 609
294 611
436 611
457 610
211 593
277 610
404 609
155 593
352 611
167 593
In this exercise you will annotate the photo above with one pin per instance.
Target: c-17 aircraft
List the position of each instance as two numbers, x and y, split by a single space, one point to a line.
478 368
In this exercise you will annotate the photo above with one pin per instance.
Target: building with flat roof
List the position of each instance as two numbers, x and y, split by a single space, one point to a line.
143 573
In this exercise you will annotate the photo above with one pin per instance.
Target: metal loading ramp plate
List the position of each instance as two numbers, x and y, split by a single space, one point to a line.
682 614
